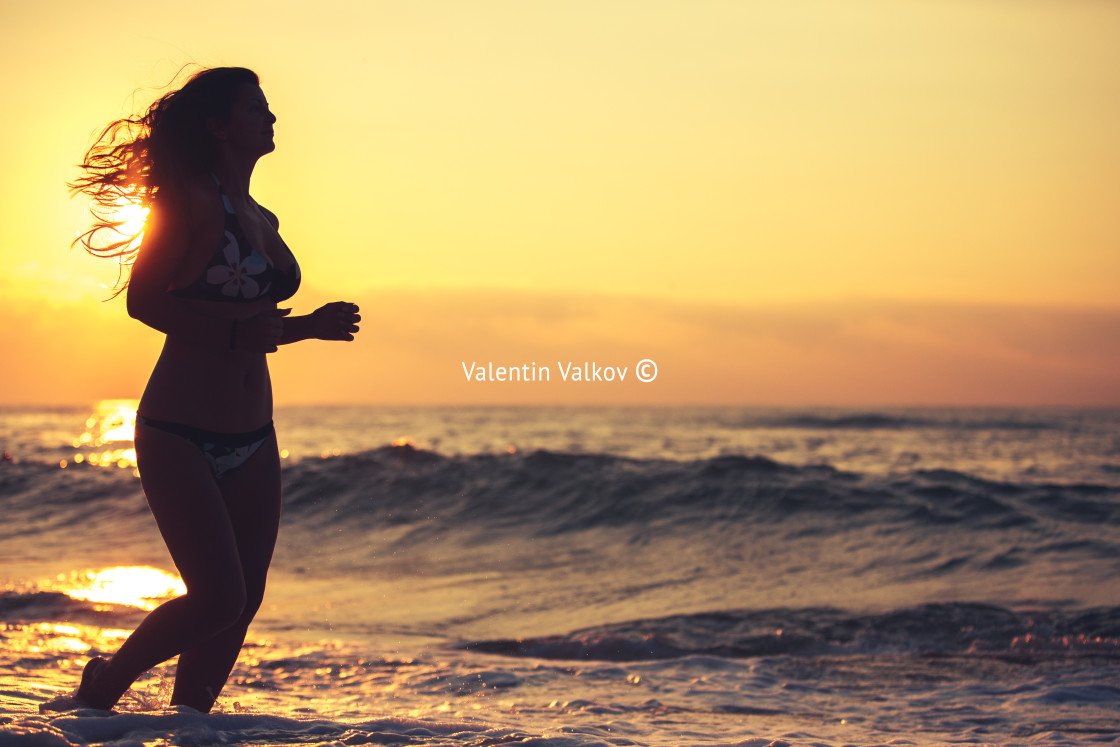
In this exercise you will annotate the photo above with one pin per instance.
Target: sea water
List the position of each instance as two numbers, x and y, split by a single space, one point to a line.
600 576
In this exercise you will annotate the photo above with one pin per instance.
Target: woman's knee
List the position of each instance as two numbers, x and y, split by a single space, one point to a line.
222 606
253 600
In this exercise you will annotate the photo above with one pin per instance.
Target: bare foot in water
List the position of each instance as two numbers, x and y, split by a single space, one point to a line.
86 696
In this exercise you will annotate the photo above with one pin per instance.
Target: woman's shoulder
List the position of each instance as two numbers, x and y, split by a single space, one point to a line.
271 216
187 217
203 196
194 203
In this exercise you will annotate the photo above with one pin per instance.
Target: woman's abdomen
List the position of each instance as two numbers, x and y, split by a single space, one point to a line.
211 389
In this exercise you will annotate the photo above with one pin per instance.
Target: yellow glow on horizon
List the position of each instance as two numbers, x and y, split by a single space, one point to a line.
133 586
960 156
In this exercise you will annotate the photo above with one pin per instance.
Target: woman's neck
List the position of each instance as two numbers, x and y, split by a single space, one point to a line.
235 174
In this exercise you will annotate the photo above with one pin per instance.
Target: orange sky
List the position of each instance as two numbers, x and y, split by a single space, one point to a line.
783 202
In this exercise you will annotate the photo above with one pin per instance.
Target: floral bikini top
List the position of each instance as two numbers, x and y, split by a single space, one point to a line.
237 273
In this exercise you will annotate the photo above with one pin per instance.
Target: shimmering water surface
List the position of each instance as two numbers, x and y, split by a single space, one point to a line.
589 576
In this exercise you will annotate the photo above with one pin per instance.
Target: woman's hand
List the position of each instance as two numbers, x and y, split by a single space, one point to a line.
335 321
260 333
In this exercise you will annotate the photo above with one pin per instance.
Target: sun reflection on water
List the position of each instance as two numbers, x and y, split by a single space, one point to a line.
107 438
59 640
133 586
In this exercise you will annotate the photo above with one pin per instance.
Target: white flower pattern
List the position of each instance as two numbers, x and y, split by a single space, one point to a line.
235 276
225 458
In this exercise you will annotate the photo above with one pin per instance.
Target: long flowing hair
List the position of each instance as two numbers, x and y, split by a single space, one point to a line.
153 156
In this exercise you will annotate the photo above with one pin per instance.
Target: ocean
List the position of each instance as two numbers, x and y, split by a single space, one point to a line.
572 576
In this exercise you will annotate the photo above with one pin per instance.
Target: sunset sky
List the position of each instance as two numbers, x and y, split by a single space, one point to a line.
789 202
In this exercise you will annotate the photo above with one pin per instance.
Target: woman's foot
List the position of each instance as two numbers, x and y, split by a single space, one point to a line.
88 695
88 692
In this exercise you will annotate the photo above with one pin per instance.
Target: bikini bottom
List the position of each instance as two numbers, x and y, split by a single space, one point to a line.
223 451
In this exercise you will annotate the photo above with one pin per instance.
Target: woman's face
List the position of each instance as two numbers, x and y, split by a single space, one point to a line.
249 129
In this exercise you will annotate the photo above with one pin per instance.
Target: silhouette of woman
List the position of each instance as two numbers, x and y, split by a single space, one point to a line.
209 273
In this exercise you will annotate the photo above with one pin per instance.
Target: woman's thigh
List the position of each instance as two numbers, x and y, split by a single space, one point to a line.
252 494
190 511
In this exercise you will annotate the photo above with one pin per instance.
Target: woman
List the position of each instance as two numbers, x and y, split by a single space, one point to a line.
209 273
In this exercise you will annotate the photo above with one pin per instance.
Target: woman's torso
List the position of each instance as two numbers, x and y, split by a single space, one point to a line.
236 267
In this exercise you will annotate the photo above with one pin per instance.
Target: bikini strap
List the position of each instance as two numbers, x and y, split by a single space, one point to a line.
225 200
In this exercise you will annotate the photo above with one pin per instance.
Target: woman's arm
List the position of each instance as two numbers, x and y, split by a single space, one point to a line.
334 321
168 237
